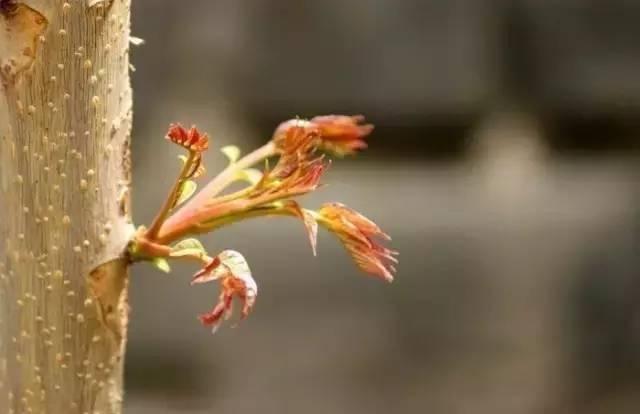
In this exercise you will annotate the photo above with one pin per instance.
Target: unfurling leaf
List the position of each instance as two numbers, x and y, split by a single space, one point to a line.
233 272
186 191
308 219
191 139
311 226
161 263
337 134
359 235
231 260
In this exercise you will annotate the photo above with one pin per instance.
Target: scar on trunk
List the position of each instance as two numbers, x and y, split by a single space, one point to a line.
20 30
108 289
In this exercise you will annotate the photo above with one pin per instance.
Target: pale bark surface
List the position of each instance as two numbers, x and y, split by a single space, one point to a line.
65 116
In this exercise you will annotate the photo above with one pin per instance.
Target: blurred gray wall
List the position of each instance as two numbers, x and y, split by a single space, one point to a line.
504 165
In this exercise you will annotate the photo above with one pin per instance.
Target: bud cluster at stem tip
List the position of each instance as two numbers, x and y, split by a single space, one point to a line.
266 192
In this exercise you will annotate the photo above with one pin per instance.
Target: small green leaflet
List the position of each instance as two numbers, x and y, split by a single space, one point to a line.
250 175
161 263
136 41
231 152
188 244
188 247
187 190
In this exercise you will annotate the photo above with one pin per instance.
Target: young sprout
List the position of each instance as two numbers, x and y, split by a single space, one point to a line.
267 192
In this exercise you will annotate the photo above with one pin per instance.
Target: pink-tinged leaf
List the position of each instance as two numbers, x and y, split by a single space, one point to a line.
359 235
233 272
296 136
191 139
208 273
309 221
342 135
337 134
312 229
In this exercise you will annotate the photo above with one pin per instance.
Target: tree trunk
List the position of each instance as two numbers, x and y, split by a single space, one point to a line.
65 118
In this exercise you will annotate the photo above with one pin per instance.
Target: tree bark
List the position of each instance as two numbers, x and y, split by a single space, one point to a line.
65 119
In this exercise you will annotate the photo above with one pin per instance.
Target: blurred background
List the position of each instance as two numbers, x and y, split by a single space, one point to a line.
504 165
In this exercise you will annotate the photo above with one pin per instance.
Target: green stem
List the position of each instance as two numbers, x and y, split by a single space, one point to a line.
171 199
173 227
229 174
